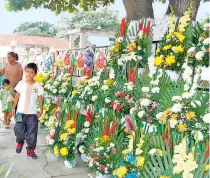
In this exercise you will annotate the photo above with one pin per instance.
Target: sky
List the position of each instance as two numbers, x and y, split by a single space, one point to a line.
11 20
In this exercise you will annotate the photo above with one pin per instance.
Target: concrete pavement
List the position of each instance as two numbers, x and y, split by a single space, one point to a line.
46 166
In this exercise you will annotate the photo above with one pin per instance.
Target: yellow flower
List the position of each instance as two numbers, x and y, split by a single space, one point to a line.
54 109
182 127
174 116
140 161
132 46
80 86
56 150
68 124
207 167
167 47
72 131
180 36
116 47
64 136
163 120
169 36
179 49
41 121
105 139
120 172
164 177
190 115
69 79
170 60
158 61
109 82
46 116
64 152
74 92
160 152
157 51
46 107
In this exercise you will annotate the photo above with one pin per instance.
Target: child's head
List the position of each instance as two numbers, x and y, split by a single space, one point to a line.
6 83
31 71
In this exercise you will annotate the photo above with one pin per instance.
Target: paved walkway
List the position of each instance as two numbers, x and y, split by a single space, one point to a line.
46 166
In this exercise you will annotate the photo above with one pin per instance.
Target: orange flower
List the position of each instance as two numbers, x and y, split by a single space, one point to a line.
132 46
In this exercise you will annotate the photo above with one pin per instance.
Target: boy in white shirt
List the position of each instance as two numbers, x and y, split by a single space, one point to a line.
26 127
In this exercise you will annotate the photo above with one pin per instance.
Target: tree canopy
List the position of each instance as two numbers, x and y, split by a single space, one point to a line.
37 29
105 19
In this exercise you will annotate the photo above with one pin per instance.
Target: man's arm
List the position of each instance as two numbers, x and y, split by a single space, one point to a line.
41 106
15 103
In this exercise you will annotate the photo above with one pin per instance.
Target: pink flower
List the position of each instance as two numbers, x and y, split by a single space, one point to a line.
127 97
119 107
101 167
112 104
120 94
130 100
92 146
114 150
95 159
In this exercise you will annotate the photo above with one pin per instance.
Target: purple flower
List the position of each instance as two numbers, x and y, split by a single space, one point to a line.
89 57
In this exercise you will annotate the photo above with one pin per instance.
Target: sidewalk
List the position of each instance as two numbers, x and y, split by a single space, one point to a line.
46 166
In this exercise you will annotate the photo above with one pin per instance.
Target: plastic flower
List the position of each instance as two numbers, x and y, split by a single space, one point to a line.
132 46
182 127
140 161
158 61
56 150
64 151
68 124
64 136
179 49
72 131
116 47
170 60
167 47
74 92
120 172
190 115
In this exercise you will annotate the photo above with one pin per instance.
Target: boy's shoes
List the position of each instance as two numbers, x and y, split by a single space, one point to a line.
31 154
19 147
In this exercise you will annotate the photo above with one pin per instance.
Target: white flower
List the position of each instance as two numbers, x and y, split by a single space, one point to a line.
112 145
176 98
206 118
145 89
206 26
198 136
119 40
111 74
79 136
87 130
187 174
156 90
187 95
54 90
186 87
87 124
152 151
51 142
206 41
132 110
105 87
173 123
159 115
192 49
141 114
154 82
52 132
107 100
94 98
176 108
145 102
199 55
82 149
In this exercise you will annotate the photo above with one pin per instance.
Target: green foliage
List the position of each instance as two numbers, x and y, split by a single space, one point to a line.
105 19
37 29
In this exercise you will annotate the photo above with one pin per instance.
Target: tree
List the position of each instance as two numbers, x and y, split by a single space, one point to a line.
37 29
105 19
135 8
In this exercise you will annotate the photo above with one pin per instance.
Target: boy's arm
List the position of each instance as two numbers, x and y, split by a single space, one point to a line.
15 103
41 106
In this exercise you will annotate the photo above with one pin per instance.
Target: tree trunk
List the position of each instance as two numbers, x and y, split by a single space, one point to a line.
180 6
137 9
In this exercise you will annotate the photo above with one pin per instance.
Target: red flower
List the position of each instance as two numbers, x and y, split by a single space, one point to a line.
89 115
141 26
106 129
120 94
95 159
101 167
113 128
147 29
166 137
207 150
112 104
130 124
68 118
132 75
119 107
122 27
